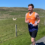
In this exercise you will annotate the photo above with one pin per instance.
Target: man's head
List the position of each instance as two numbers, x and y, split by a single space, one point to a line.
30 7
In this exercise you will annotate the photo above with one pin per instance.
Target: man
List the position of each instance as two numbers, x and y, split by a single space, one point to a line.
32 18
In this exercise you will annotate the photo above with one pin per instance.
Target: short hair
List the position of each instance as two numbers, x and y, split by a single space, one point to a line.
31 5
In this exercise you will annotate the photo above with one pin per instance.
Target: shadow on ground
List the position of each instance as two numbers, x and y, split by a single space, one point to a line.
41 43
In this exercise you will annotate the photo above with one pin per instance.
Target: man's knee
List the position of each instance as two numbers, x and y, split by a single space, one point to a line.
32 39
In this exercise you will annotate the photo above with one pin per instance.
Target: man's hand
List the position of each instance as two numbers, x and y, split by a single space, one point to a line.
35 24
27 21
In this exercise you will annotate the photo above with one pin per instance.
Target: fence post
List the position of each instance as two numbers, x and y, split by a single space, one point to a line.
16 30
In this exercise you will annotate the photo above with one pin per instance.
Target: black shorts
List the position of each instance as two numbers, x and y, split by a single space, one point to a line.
33 34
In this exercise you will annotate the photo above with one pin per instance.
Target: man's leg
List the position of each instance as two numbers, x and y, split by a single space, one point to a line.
33 40
34 34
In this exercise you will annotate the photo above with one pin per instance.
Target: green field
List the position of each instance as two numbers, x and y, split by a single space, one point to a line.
7 26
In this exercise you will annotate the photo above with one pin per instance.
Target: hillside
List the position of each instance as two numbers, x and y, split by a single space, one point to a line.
10 12
7 26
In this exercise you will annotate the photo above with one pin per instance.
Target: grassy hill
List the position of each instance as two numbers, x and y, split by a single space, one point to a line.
7 26
17 12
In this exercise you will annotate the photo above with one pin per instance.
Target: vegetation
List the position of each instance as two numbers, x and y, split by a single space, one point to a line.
7 26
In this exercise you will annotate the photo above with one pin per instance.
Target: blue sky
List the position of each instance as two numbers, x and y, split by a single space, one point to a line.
22 3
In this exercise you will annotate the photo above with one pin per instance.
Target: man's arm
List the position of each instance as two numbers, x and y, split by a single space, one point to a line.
26 21
38 18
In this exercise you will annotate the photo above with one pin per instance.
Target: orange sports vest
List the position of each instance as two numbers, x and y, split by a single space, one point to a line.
31 18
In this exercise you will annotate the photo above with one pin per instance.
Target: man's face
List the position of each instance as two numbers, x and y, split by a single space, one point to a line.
30 9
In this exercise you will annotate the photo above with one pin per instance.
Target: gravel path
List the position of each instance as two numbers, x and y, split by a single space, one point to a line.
41 41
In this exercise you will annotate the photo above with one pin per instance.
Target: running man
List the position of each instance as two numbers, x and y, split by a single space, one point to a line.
32 18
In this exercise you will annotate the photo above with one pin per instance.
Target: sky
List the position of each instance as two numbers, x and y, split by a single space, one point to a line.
22 3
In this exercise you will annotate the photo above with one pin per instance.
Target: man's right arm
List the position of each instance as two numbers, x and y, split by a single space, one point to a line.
26 21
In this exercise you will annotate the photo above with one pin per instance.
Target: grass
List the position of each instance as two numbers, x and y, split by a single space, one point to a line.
7 27
7 32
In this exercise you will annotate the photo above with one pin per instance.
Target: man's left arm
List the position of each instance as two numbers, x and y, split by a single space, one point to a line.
38 19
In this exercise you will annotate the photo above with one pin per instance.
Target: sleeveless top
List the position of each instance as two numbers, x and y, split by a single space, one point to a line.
32 20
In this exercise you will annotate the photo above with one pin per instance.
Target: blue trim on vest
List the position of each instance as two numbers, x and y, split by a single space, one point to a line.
32 28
